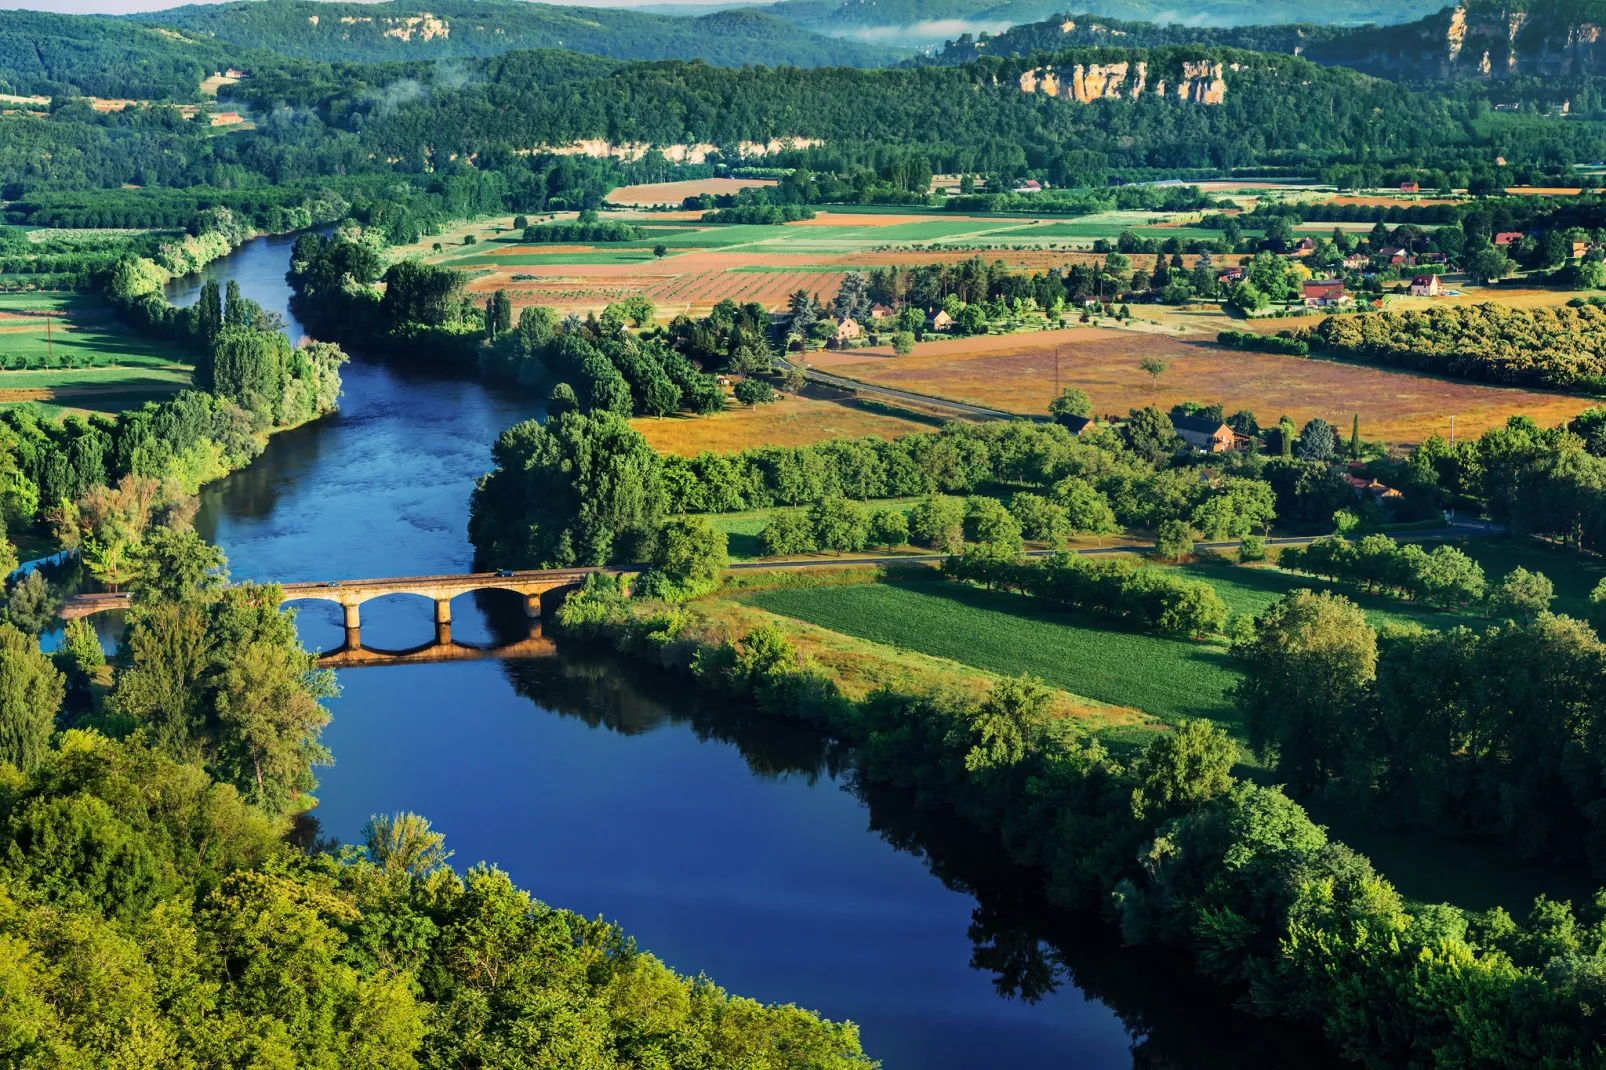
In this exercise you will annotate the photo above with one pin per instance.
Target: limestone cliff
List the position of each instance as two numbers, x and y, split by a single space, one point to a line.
1482 39
1198 82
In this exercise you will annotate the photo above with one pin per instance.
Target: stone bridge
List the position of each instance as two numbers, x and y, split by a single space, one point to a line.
351 594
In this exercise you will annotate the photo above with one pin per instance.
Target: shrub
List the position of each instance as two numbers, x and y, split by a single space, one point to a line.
1252 548
1173 540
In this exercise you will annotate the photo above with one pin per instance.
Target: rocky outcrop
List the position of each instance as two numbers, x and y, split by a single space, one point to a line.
1479 40
1200 82
699 153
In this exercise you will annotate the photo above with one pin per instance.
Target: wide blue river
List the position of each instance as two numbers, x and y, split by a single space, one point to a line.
725 845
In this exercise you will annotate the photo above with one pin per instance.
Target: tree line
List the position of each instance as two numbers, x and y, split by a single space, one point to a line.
1179 853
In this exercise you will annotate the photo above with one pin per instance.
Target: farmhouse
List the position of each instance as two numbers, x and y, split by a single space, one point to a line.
940 321
1506 237
1031 185
1303 245
880 312
1076 425
1200 433
847 328
1355 261
1231 275
1425 286
226 118
1392 255
1326 293
1372 488
1409 187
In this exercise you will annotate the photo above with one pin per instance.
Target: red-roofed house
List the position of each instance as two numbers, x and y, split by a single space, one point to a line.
1506 237
1326 293
1409 187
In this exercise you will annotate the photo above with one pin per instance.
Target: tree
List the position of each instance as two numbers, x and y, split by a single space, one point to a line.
404 847
168 564
1173 540
31 691
1071 402
753 391
1086 510
498 315
1149 434
903 343
1154 367
1318 441
1489 265
1305 674
938 522
80 653
1521 594
889 528
788 532
838 524
269 718
987 522
1237 508
660 251
580 489
689 560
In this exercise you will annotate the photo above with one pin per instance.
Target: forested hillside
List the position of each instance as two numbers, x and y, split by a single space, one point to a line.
369 32
915 20
45 54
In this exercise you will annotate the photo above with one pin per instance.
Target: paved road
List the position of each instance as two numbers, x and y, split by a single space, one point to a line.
816 376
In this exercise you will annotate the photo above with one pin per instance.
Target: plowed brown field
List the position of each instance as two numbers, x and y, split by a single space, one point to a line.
1017 373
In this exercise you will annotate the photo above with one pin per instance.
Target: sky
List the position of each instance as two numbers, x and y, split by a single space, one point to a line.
123 7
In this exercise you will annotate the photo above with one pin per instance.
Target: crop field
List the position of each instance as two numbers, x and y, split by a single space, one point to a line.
705 262
1004 633
1017 373
675 192
792 421
67 352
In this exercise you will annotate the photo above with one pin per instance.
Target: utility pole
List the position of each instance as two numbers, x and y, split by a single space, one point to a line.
1452 430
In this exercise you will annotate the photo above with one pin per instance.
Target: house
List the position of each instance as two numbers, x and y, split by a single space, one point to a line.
1425 286
1212 436
1579 249
226 118
1302 246
1230 276
1409 187
1392 255
880 312
1031 185
1076 425
847 327
1371 488
234 72
1506 237
1355 261
940 321
1326 293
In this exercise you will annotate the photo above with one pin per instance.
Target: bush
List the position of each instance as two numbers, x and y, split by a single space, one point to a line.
753 391
903 343
1252 548
520 222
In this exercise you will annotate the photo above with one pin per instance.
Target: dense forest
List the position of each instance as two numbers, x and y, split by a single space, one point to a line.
460 28
47 54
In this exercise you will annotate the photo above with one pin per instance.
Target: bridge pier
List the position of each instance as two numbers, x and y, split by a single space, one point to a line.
532 606
353 638
353 617
443 632
443 611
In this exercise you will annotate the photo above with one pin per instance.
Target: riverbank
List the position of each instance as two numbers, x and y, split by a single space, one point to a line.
1082 820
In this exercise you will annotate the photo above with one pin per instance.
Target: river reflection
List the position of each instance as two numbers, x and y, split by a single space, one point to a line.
736 844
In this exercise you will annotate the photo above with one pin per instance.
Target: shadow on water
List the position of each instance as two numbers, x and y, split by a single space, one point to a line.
1028 948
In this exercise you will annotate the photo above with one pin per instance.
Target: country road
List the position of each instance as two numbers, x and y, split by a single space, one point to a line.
816 376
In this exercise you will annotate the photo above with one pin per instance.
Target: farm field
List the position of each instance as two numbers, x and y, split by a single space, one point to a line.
706 263
792 421
117 368
674 192
1016 373
1005 633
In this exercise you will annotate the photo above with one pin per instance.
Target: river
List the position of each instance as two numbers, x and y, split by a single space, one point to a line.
723 843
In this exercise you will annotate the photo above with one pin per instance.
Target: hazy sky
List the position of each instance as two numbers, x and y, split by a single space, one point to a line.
122 7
